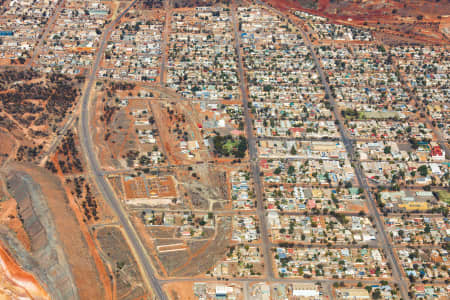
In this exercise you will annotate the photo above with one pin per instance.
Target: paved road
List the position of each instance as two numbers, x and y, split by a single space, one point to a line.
165 37
277 280
239 212
253 155
382 235
329 291
296 244
245 292
292 138
105 189
48 27
437 132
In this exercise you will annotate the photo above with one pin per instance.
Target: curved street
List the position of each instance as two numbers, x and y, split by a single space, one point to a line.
104 188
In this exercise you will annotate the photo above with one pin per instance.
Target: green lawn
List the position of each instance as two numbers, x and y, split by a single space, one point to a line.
444 196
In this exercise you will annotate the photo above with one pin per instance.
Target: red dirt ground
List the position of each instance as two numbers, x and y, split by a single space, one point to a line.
394 15
15 283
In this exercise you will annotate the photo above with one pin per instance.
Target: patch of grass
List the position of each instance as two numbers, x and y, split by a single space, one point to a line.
444 196
230 146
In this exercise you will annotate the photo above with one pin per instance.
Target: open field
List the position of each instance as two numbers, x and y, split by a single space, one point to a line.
128 281
178 255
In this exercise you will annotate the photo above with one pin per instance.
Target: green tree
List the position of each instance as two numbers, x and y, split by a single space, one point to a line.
376 294
423 170
293 151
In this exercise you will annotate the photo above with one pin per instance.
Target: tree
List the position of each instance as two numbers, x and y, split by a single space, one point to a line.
423 170
293 151
414 143
267 88
376 294
291 170
241 148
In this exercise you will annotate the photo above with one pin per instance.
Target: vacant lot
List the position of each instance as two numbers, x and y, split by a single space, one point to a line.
201 255
206 187
129 284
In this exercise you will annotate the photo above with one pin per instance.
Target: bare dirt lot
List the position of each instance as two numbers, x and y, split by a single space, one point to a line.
205 187
200 256
180 290
128 281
